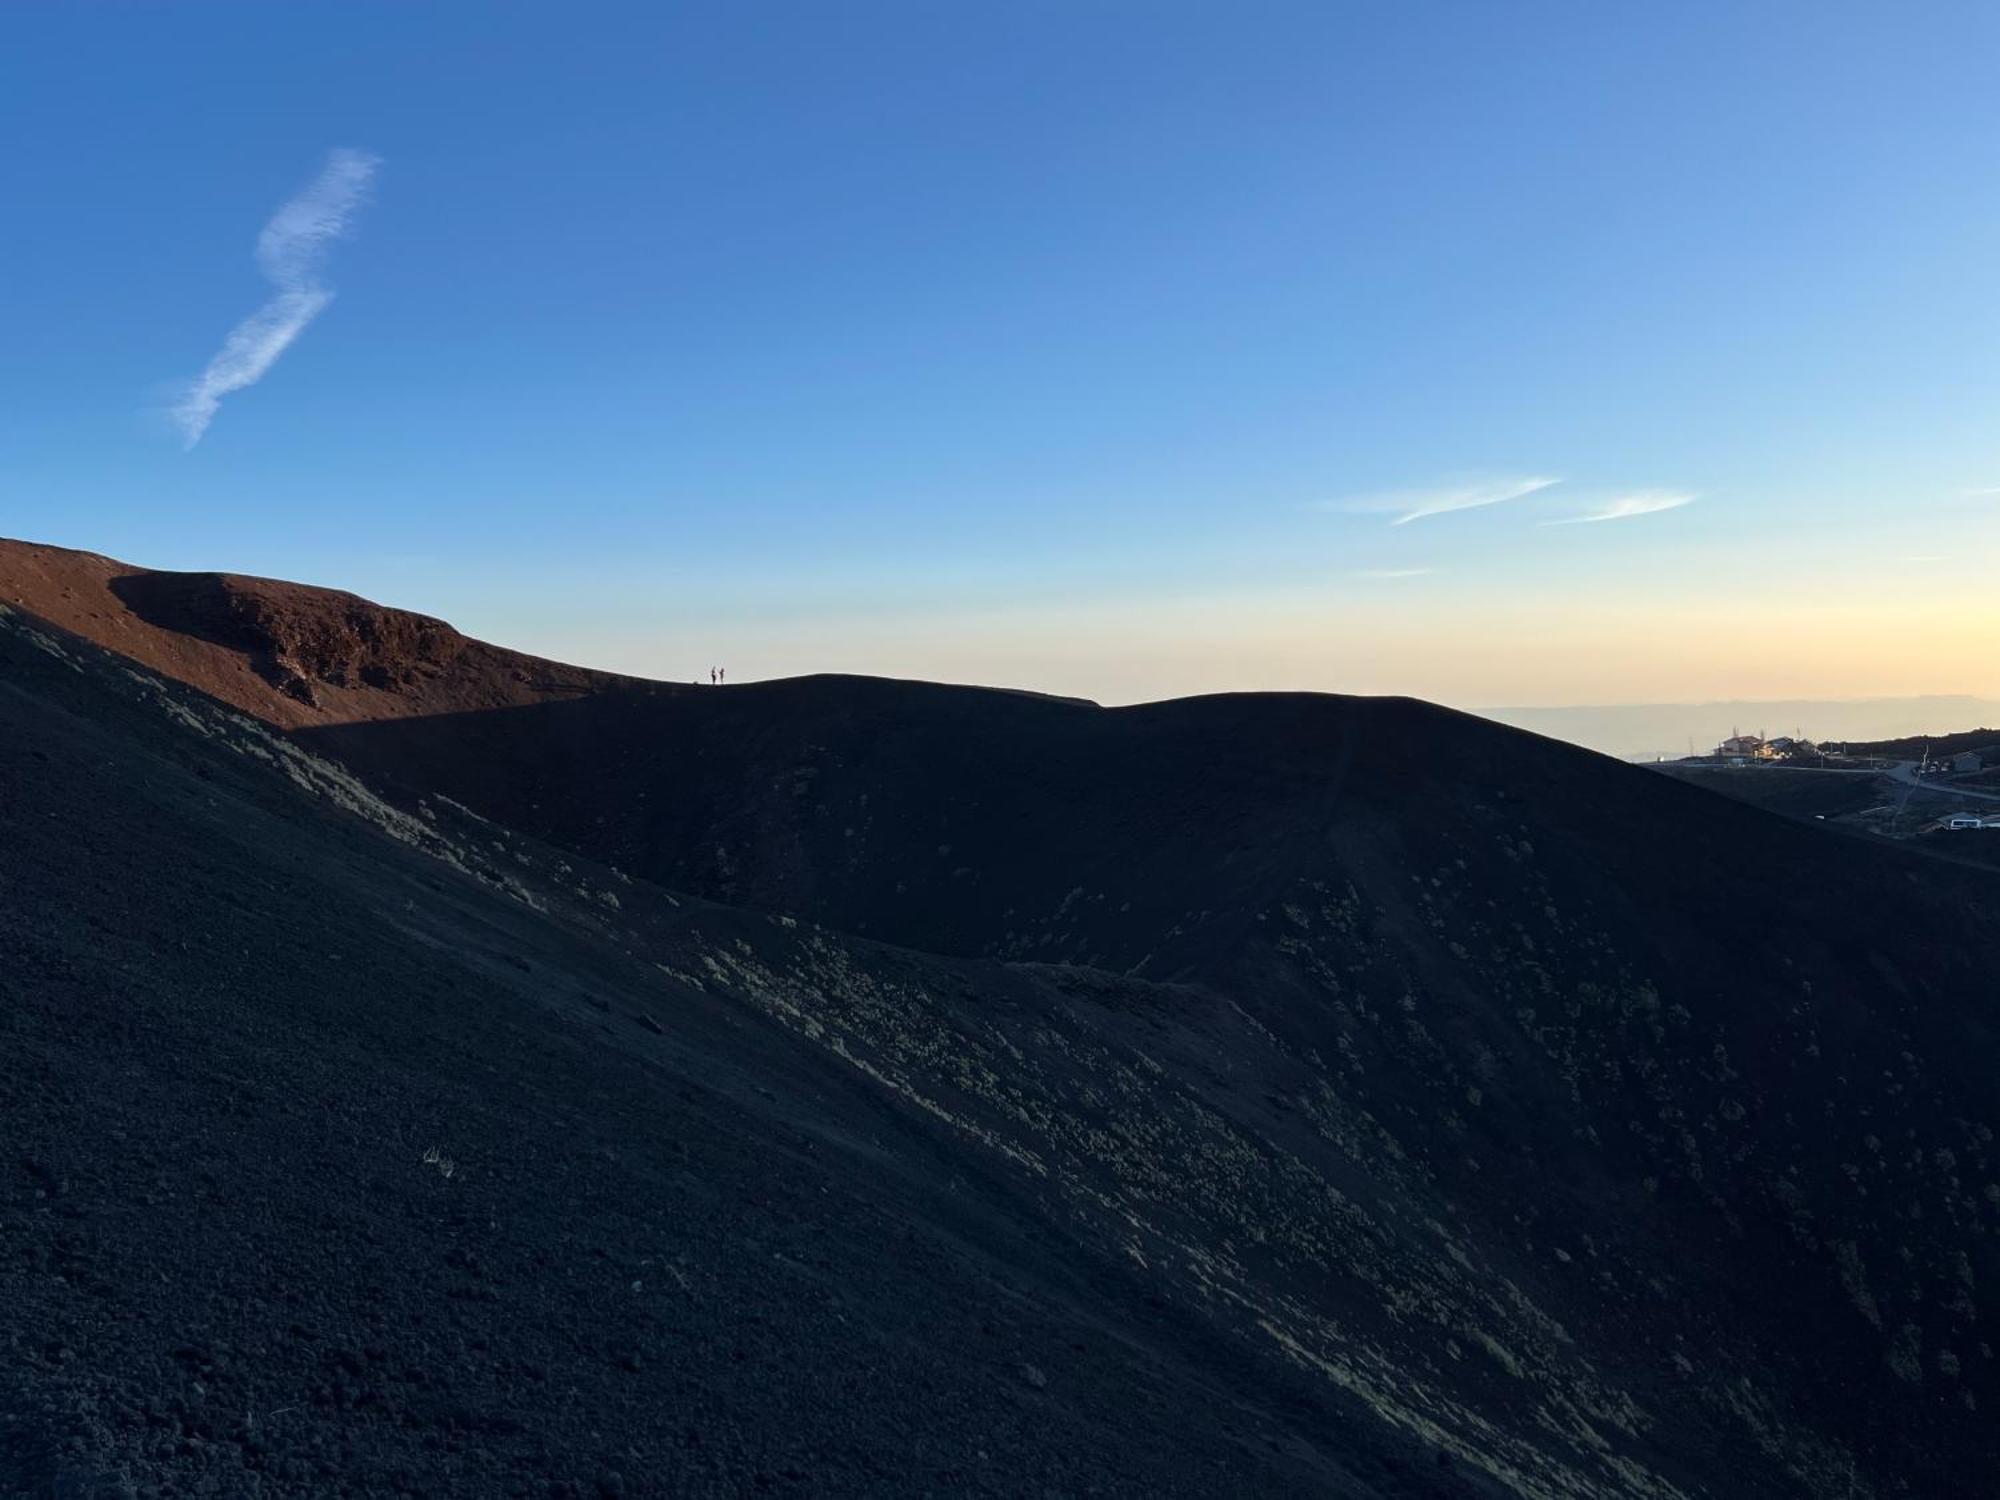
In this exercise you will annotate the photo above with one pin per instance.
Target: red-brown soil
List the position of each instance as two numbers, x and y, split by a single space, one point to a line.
289 653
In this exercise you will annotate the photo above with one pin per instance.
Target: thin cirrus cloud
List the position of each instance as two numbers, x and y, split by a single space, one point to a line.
1405 506
1625 507
291 252
1468 497
1385 573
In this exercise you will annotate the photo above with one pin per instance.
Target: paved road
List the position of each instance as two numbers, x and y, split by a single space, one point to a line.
1906 772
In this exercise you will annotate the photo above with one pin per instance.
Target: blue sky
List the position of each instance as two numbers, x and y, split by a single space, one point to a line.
1084 346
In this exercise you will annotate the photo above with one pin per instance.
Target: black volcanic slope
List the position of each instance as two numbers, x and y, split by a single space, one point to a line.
680 1249
1807 795
1269 1095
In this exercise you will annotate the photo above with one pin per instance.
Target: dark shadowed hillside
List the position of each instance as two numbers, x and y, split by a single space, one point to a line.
362 1154
1809 795
1264 1094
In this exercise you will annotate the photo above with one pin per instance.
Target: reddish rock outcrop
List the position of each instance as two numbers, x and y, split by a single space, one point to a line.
288 653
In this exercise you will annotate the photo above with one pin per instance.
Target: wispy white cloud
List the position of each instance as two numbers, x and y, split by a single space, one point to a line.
1985 492
291 252
1625 507
1393 572
1405 506
1467 497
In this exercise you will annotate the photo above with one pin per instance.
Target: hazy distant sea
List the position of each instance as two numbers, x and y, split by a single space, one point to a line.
1648 731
